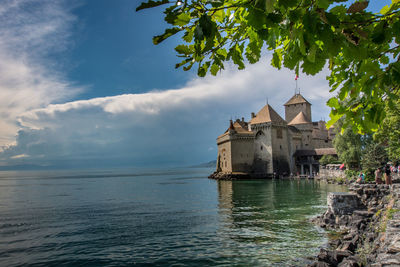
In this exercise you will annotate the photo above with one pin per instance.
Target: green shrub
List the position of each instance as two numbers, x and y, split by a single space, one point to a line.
369 175
351 174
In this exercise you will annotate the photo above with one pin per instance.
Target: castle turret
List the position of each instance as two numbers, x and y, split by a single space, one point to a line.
295 105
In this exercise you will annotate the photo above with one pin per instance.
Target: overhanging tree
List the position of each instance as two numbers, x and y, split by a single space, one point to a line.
360 48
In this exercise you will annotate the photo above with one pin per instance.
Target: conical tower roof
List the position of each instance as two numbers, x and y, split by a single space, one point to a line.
299 119
296 99
267 114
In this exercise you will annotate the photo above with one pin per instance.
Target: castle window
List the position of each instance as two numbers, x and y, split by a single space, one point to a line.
261 147
279 133
280 147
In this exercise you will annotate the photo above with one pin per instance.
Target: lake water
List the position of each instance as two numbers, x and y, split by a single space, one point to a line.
174 217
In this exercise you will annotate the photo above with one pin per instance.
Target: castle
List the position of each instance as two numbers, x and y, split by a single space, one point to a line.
269 145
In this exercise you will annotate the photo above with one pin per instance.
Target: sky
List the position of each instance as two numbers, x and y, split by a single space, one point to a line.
82 85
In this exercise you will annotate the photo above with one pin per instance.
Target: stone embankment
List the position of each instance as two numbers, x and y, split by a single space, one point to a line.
237 176
367 221
228 176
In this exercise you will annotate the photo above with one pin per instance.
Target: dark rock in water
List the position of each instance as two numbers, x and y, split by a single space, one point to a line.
343 203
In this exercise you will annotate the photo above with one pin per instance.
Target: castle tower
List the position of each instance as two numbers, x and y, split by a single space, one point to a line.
295 105
271 145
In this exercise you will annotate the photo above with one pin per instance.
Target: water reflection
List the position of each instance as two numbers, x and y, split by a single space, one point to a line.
272 218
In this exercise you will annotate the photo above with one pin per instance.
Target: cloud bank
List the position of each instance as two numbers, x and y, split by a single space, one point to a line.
29 32
177 126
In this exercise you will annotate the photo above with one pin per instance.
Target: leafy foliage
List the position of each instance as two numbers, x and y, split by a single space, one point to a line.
360 48
373 156
348 146
351 174
328 159
389 132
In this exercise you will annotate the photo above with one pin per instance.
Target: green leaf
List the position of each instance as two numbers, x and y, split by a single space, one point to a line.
300 42
333 103
188 36
292 57
186 68
222 52
183 49
385 10
311 54
378 35
205 29
339 10
214 69
182 19
236 54
332 19
334 118
219 15
277 59
256 18
316 66
269 5
168 33
202 71
184 62
323 4
151 4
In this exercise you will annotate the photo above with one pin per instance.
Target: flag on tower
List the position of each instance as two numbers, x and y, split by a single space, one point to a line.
295 78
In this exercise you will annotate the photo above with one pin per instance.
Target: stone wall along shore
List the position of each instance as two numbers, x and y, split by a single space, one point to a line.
367 220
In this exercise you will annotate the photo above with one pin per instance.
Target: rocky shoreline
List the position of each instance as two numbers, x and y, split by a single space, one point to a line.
367 223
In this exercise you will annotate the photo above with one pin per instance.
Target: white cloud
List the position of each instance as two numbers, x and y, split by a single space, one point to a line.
29 31
178 125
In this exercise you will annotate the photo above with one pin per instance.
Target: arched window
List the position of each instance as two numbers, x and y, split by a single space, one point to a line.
259 134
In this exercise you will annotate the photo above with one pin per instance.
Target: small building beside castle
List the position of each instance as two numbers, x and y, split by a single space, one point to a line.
269 145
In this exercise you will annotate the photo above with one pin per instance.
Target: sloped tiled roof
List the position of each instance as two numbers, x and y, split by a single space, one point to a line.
266 114
240 128
296 99
299 119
